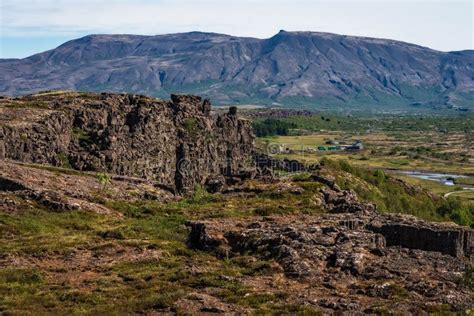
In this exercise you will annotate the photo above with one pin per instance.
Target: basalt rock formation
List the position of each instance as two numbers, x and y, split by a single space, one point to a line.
177 143
415 234
352 258
342 264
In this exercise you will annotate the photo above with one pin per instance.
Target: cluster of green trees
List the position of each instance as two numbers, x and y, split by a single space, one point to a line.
448 123
459 212
272 127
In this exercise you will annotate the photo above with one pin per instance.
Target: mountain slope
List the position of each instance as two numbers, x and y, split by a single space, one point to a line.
292 68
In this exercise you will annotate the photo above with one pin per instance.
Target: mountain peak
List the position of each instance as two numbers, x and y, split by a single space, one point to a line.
293 67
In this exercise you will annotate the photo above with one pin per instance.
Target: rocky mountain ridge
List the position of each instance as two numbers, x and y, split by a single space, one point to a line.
308 69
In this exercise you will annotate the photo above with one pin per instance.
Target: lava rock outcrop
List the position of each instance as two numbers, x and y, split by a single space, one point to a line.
342 261
352 258
178 143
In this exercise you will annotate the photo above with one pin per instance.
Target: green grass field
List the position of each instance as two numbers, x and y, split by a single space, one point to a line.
382 150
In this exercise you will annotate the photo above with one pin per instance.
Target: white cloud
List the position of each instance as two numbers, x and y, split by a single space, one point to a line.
439 24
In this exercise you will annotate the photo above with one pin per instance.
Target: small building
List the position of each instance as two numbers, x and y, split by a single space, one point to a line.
355 146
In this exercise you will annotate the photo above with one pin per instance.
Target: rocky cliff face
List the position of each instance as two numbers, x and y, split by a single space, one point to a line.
177 143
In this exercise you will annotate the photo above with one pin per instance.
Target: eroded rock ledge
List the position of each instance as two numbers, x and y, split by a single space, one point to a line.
410 232
352 257
178 143
346 261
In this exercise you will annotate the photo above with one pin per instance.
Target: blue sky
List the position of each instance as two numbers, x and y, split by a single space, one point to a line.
32 26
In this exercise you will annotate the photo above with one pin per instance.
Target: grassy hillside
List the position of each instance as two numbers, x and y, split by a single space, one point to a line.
393 196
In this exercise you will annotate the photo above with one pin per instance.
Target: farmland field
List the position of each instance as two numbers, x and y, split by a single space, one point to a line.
442 146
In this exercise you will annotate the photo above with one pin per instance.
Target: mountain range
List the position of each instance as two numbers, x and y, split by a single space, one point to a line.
298 69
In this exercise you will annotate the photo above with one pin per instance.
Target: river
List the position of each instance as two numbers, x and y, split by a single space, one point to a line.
443 178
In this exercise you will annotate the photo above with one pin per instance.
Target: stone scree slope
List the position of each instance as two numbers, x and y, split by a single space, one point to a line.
177 143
